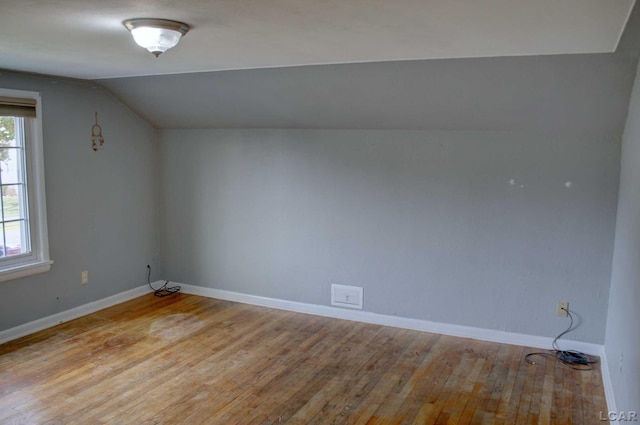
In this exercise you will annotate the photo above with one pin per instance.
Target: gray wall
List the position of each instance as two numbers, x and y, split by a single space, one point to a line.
622 342
100 206
429 223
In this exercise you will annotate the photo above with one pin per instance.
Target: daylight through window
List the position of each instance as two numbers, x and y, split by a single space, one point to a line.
24 248
14 229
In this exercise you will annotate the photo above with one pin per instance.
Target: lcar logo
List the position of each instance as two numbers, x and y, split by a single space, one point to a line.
623 416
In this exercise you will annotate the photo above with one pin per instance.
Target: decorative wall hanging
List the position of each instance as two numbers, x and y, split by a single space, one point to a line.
97 141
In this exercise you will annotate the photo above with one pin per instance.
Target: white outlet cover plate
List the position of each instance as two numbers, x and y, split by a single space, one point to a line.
562 305
347 296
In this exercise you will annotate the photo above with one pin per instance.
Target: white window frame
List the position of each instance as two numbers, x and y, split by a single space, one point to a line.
37 261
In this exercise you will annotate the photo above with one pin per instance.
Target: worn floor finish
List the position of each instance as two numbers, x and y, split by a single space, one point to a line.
192 360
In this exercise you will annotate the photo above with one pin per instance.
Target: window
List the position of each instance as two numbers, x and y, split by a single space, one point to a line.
24 248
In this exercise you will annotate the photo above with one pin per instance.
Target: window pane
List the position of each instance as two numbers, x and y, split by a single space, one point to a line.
11 165
14 235
16 239
8 131
13 207
21 174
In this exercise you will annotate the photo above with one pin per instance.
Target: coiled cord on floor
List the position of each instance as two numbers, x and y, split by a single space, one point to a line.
164 290
570 358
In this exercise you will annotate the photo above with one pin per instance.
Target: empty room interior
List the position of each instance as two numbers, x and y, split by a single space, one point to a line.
336 212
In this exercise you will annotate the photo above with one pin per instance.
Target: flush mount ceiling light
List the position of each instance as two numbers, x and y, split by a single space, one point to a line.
156 35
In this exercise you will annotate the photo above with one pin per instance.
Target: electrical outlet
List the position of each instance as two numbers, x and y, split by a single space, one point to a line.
563 307
84 276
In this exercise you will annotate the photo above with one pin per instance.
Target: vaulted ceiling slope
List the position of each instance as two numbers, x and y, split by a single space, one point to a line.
579 94
585 94
518 65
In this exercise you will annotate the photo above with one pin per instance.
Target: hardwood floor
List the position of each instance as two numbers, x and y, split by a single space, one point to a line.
191 360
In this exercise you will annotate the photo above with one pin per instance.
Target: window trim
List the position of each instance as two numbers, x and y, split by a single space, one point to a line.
38 261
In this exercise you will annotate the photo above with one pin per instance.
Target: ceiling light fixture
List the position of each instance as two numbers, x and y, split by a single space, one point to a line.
156 35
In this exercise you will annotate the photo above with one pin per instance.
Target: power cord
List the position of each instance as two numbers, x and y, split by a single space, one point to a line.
164 290
570 358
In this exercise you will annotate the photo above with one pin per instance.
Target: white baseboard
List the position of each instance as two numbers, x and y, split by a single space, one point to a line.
395 321
606 382
74 313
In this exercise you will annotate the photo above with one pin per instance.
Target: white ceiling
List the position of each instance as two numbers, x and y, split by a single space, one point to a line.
86 38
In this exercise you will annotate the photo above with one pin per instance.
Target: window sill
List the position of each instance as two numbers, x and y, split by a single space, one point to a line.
26 269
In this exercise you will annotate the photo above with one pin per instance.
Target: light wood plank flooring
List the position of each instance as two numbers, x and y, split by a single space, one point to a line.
191 360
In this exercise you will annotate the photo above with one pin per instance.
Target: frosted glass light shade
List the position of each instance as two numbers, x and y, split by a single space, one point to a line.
155 40
156 35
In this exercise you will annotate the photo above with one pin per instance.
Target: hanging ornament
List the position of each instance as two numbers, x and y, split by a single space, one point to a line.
96 136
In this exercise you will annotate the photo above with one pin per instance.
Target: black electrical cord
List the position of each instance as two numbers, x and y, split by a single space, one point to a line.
164 290
570 358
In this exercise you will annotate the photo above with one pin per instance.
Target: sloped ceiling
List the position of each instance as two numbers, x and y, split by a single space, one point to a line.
535 65
566 93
